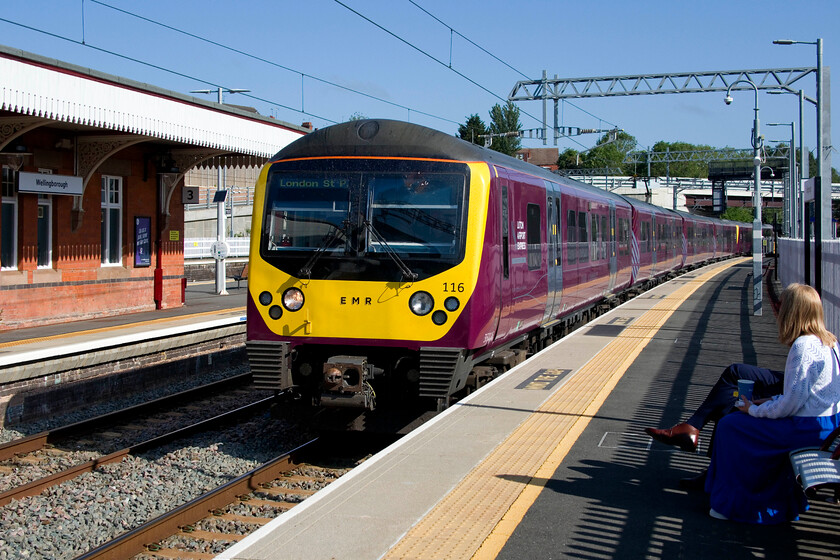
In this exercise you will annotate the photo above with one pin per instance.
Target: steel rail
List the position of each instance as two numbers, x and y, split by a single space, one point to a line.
37 486
134 542
40 440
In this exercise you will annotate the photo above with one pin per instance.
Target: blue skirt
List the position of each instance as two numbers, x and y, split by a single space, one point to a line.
750 478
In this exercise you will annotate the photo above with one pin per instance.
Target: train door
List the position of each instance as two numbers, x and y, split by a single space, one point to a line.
611 247
506 281
654 245
554 245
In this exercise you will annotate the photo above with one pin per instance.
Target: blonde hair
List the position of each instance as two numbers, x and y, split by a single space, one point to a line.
801 313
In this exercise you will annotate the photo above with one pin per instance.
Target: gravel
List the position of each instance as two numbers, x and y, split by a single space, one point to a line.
23 429
70 519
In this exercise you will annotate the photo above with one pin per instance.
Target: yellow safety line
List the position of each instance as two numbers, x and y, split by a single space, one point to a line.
117 327
478 516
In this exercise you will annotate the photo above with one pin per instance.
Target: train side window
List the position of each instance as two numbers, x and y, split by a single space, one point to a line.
534 227
571 237
596 240
606 237
583 238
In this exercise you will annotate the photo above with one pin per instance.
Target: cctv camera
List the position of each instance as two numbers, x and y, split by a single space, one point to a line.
728 100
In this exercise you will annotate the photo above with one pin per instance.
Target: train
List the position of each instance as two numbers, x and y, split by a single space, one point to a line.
390 261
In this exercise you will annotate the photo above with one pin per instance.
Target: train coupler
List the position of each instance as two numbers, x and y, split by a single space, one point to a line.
346 383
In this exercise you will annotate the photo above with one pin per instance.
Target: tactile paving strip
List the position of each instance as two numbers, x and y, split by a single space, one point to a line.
478 516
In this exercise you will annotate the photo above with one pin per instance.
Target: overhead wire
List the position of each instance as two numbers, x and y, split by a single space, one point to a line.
267 61
424 53
482 49
476 45
156 67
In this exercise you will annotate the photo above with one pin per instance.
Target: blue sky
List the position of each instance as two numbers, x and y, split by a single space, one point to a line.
323 39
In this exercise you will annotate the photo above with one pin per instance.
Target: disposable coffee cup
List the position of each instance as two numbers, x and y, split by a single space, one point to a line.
745 389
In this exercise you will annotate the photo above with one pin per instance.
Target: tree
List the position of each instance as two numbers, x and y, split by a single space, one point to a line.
357 116
473 130
610 153
505 119
569 159
738 214
679 168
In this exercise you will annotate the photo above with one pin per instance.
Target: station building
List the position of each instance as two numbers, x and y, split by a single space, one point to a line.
93 195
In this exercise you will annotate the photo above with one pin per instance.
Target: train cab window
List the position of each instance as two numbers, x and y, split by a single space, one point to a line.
583 238
534 227
364 219
571 236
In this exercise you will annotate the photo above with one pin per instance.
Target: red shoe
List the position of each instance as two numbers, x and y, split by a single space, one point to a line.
685 436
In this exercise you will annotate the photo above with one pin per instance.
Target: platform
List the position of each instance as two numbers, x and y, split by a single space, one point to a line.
37 362
551 461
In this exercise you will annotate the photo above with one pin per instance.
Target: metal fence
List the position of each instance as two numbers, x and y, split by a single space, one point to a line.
792 269
199 247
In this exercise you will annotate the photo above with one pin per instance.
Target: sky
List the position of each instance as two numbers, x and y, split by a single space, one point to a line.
418 60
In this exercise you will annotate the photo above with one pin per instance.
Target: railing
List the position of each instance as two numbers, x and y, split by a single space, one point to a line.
792 269
199 247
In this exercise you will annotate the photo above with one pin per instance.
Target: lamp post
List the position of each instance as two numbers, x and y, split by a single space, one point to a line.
823 219
220 248
804 157
756 246
790 194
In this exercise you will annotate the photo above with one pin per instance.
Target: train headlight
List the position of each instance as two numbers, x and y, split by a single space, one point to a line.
451 304
439 317
275 312
421 303
265 298
293 299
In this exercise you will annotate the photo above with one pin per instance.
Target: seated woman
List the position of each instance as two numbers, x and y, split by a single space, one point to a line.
749 477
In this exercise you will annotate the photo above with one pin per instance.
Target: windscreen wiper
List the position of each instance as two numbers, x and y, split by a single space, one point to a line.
333 235
407 273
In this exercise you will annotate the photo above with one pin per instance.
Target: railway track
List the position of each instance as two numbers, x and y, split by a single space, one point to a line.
41 453
212 522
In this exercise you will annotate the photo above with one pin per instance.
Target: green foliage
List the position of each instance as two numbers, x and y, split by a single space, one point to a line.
610 154
569 159
472 130
357 116
678 168
738 214
505 119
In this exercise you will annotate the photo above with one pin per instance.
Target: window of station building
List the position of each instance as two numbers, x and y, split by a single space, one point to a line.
44 231
8 221
533 237
111 220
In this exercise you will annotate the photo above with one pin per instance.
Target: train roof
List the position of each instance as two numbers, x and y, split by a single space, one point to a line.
390 138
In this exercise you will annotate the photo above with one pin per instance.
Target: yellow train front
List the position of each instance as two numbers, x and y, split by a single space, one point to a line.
366 250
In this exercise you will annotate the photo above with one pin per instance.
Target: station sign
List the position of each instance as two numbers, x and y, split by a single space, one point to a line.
45 183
